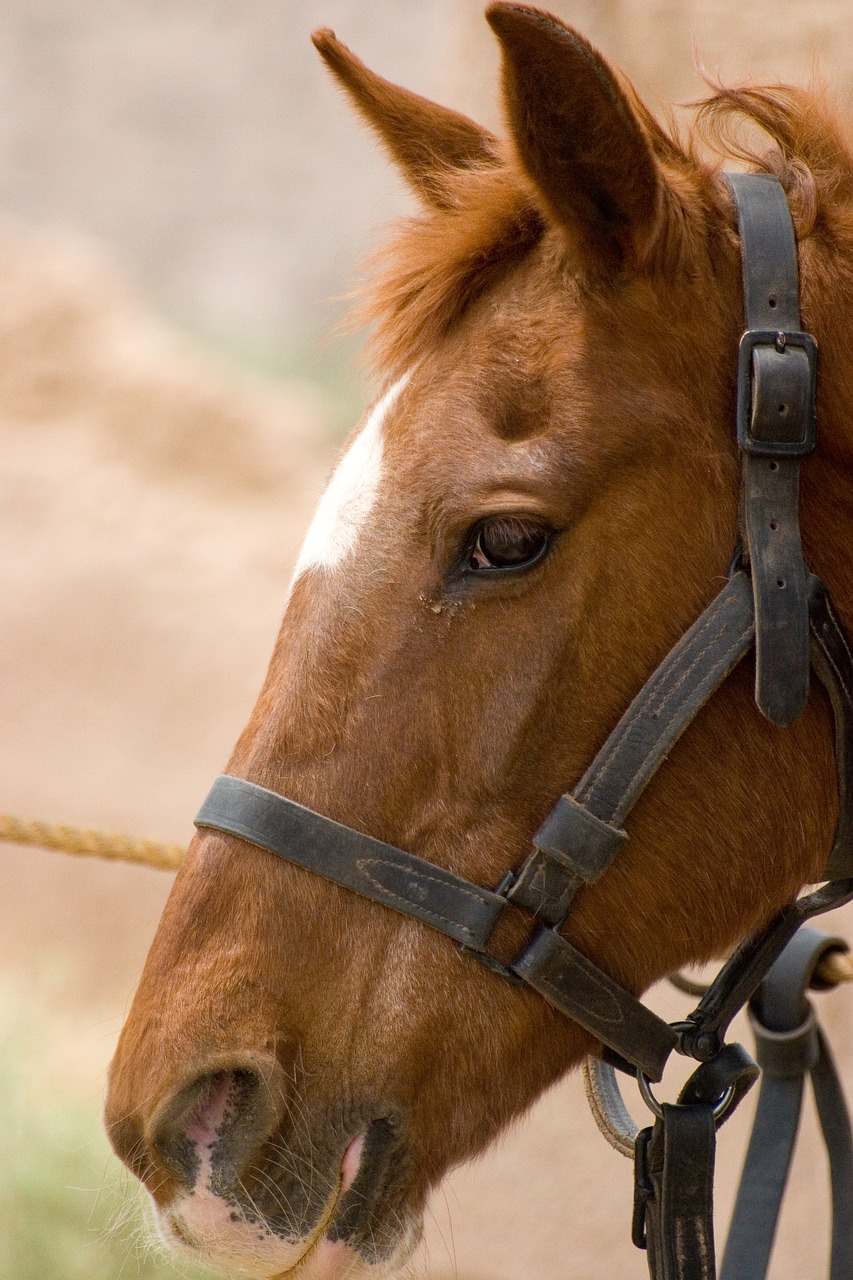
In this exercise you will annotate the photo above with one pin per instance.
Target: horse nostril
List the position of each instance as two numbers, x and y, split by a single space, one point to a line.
216 1123
212 1108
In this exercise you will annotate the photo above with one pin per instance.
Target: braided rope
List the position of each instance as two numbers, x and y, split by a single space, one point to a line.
90 843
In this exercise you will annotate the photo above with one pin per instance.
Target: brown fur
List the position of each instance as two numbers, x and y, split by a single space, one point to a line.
569 364
428 142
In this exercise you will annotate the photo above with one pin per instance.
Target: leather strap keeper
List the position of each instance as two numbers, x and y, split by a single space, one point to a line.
573 848
576 837
545 886
782 1054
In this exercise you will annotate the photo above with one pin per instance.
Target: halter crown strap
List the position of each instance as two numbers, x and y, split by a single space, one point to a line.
776 428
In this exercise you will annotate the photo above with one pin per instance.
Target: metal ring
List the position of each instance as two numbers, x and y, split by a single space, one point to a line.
720 1108
647 1095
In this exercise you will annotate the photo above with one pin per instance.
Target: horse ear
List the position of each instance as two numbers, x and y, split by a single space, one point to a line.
426 140
578 136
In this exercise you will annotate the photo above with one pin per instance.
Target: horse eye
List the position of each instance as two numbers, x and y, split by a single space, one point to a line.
508 542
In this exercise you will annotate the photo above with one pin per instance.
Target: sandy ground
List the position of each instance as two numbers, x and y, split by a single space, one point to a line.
150 509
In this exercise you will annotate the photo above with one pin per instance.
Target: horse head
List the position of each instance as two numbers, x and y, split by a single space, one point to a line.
540 502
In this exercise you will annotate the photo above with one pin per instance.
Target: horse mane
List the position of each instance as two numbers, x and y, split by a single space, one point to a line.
440 261
810 156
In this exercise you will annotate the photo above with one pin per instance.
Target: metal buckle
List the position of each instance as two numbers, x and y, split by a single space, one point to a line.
719 1108
779 340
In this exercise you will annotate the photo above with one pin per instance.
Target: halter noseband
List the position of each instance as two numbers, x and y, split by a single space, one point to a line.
770 602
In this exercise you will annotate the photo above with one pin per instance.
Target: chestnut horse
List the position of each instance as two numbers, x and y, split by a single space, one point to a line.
539 504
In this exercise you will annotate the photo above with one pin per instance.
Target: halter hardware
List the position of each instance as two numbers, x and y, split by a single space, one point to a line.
776 421
770 603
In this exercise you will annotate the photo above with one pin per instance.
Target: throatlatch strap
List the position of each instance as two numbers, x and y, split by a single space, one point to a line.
776 380
833 665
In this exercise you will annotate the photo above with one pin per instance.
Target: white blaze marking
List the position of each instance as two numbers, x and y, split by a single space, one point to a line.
350 494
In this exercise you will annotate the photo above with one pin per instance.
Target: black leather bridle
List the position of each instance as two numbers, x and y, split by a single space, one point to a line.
770 602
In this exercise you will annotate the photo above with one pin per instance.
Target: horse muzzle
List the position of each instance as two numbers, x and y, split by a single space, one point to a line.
242 1178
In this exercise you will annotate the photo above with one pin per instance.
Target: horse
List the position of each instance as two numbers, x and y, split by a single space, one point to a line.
538 505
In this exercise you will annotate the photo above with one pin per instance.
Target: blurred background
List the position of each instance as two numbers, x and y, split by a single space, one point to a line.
185 201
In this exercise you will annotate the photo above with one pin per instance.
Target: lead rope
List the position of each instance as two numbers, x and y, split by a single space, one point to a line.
789 1046
88 842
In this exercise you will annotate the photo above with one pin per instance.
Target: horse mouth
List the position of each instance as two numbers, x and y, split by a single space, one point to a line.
359 1229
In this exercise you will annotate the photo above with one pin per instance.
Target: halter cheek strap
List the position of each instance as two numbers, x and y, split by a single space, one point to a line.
777 368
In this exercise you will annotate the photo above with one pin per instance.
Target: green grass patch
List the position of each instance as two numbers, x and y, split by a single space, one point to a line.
68 1210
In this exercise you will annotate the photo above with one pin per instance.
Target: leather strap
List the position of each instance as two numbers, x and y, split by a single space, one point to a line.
835 1126
675 1182
579 989
459 908
463 910
776 378
583 833
701 1034
634 1036
833 664
789 1047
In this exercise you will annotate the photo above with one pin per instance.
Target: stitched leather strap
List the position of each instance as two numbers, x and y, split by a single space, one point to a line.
582 991
468 913
678 1164
457 907
582 835
462 910
776 376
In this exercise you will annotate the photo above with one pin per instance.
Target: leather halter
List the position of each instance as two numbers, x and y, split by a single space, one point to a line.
770 602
